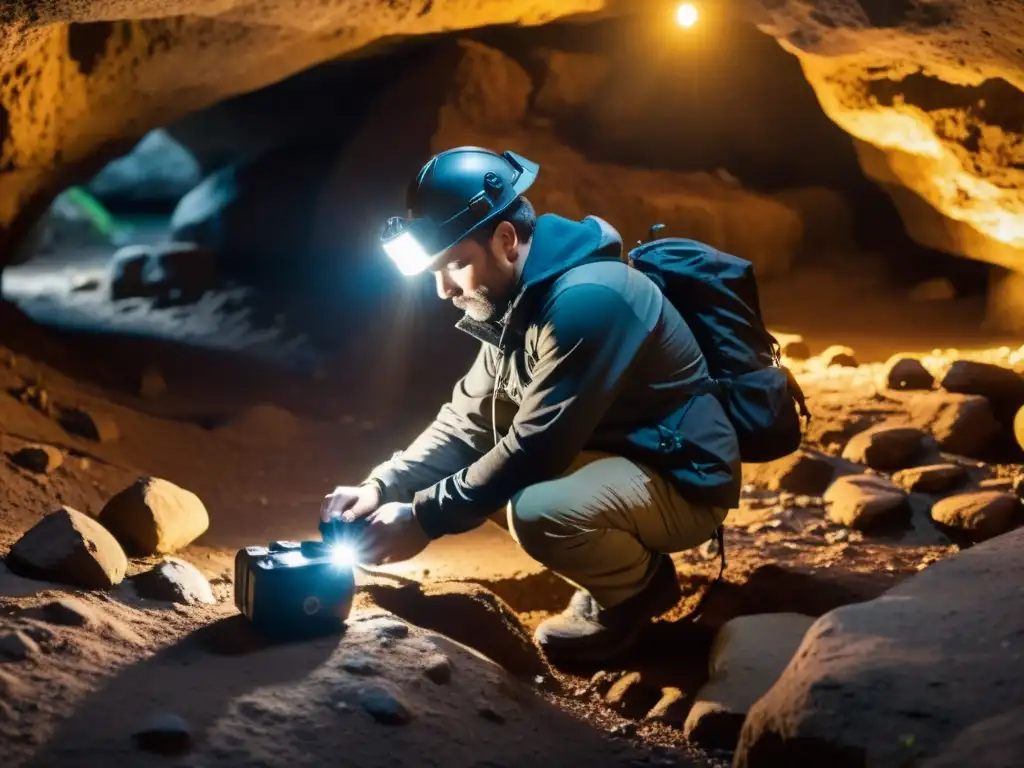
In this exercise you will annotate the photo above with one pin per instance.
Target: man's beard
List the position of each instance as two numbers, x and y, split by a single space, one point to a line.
480 306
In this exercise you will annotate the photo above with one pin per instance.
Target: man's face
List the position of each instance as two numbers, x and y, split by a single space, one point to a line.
479 279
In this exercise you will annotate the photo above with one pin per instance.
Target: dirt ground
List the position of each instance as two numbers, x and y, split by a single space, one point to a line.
260 446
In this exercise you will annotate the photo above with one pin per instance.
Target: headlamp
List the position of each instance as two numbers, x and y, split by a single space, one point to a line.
408 243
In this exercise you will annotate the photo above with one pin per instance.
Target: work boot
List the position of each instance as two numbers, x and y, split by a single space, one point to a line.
585 632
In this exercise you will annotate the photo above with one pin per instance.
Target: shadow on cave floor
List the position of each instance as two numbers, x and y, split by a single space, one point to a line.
195 678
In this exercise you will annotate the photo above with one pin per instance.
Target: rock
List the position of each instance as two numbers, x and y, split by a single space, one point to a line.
982 514
902 372
157 170
934 478
631 696
153 516
174 581
361 665
17 645
961 424
393 628
802 472
164 734
861 501
71 548
996 742
996 484
172 274
438 669
936 289
568 82
1018 485
602 681
1002 387
670 709
840 356
890 681
38 458
747 657
885 446
384 707
73 612
796 349
90 424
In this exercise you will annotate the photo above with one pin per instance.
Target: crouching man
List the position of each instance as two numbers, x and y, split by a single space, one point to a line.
581 421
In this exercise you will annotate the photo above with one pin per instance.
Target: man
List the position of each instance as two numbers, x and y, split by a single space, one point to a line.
581 420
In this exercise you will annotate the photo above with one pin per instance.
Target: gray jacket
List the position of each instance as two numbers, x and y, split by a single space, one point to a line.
589 355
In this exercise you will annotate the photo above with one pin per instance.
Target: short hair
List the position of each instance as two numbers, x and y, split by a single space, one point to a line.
520 214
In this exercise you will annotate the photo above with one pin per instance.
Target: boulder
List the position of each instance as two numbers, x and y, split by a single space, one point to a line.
171 273
70 548
1003 387
41 459
996 742
981 514
838 355
158 170
796 349
90 424
862 501
154 516
902 372
803 472
885 446
174 581
934 478
568 80
961 424
892 681
747 657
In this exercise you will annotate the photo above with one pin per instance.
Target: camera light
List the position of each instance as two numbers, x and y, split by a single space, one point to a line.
407 254
344 556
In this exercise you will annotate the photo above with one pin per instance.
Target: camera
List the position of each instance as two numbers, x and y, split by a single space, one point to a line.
291 589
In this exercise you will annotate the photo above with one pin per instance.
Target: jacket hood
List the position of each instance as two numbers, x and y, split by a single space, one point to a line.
558 245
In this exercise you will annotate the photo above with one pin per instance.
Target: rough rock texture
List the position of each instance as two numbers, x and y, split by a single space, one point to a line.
983 514
892 681
992 743
961 424
933 478
801 472
747 657
38 458
902 372
71 548
1001 386
153 516
839 355
885 446
932 93
862 501
175 581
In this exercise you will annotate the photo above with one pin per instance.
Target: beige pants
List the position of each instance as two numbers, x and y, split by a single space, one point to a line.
599 525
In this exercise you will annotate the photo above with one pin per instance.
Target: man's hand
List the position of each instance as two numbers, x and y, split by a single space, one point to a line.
351 503
393 534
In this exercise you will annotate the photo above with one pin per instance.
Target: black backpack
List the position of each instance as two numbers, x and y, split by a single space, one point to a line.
716 294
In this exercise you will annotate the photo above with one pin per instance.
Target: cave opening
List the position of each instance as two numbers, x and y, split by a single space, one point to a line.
251 224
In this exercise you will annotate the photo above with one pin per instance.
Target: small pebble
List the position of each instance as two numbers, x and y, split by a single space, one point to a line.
360 665
438 669
391 628
384 707
164 734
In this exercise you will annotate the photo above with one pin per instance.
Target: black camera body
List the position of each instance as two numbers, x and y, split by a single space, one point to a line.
294 589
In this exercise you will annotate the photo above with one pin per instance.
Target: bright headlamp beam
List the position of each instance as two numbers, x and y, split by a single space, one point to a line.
407 254
344 556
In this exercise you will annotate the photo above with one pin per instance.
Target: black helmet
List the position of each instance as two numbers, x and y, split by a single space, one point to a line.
454 193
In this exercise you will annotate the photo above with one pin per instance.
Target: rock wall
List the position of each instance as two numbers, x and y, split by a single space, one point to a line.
932 91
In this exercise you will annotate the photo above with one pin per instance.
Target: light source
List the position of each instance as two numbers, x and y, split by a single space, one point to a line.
687 15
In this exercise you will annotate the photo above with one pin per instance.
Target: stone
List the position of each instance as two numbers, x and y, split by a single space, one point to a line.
174 581
154 516
747 657
670 709
393 628
164 734
70 548
157 170
632 696
67 612
996 742
172 273
885 446
802 472
90 424
361 665
961 424
384 707
1018 485
1002 387
933 478
981 514
568 81
438 669
796 349
891 681
18 646
902 372
862 501
838 355
41 459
